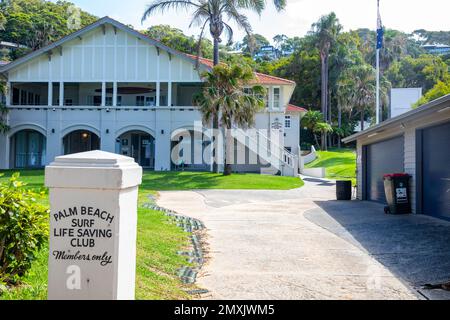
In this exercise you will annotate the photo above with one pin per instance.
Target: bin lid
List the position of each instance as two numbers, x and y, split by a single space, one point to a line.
395 175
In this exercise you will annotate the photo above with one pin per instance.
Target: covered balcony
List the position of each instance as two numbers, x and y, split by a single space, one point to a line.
106 94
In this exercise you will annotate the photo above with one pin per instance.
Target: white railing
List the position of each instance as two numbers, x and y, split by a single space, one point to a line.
100 107
270 151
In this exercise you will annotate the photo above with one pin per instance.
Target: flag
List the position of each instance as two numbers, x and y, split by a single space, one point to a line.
380 31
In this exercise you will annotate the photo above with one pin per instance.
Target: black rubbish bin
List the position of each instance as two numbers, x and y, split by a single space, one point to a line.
396 188
344 190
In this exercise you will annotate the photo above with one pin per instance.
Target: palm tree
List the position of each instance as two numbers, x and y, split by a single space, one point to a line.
225 91
310 121
345 97
213 13
364 89
326 31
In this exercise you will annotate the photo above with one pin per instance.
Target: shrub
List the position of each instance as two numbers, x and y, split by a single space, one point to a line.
23 229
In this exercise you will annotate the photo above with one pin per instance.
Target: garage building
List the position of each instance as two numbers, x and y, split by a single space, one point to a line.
417 143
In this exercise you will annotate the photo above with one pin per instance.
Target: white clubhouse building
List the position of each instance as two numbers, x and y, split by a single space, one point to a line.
112 88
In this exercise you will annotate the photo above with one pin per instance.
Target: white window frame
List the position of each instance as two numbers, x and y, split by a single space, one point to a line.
277 107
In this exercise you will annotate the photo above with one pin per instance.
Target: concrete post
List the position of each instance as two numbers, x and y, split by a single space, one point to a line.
93 202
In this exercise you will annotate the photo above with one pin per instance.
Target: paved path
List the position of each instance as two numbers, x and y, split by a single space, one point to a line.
263 245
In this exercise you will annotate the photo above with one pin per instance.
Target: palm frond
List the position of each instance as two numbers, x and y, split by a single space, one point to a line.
164 5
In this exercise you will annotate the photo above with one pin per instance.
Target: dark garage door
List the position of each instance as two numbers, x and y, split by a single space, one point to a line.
382 158
436 170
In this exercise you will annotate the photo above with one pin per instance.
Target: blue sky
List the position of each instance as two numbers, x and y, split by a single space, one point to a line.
405 15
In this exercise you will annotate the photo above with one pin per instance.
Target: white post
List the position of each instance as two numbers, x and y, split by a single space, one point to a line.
93 202
158 93
50 94
169 94
103 94
61 94
115 94
378 88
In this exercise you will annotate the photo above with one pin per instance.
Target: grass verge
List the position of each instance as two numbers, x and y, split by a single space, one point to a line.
158 239
339 164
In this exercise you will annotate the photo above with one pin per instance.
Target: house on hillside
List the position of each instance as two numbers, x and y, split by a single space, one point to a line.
112 88
437 49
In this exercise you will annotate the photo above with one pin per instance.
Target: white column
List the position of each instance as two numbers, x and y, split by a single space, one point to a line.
8 94
103 94
114 94
158 93
169 94
162 139
50 93
61 94
92 192
4 151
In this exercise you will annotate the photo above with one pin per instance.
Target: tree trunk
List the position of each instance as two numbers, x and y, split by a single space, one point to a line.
215 165
339 125
317 142
324 95
324 87
229 148
216 51
362 120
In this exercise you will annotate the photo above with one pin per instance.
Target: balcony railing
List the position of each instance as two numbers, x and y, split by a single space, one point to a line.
107 108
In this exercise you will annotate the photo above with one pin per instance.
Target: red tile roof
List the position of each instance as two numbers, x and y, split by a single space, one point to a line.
292 108
261 77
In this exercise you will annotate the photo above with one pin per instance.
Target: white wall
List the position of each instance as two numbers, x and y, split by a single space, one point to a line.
97 56
402 100
292 138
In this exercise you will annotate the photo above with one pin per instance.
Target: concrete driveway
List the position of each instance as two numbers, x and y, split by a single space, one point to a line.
289 245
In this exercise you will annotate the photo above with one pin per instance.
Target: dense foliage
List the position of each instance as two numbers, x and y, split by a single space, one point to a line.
36 23
23 229
176 39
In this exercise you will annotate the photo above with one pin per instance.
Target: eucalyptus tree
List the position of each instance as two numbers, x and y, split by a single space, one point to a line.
229 89
216 15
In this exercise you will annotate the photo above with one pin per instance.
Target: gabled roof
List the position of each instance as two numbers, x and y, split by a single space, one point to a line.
206 63
293 108
261 77
79 33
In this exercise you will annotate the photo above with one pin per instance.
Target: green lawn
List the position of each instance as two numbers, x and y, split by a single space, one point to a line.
158 239
339 164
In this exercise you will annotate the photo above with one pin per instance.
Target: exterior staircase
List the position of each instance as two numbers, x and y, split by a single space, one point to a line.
269 150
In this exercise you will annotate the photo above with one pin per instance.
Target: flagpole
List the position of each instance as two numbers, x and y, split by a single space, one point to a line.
378 72
378 87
